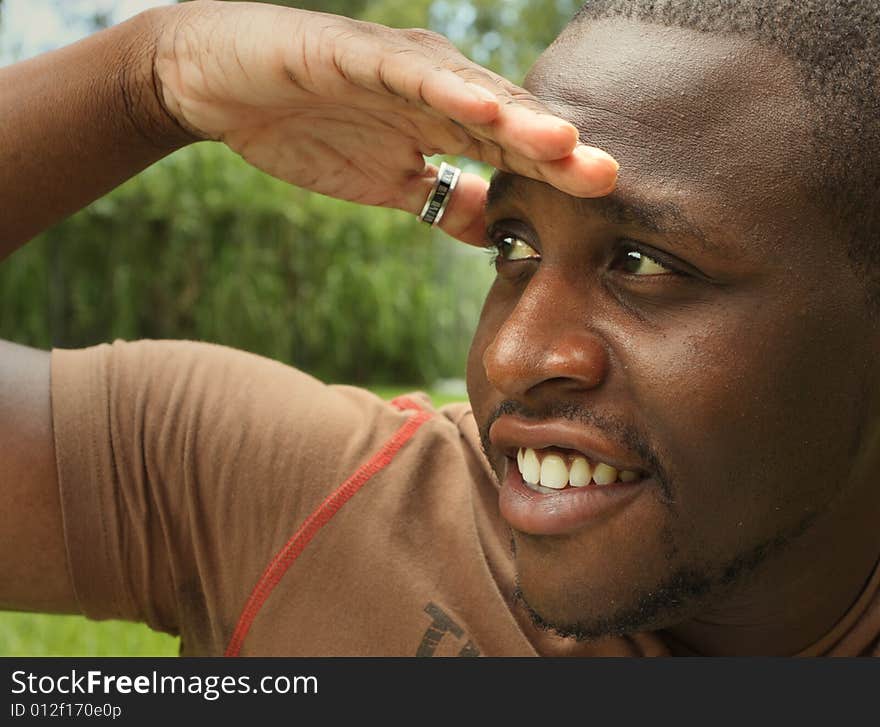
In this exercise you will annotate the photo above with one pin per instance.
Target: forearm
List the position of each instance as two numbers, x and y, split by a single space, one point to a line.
77 122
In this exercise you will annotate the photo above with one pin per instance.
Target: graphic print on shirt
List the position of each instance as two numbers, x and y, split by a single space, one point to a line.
441 624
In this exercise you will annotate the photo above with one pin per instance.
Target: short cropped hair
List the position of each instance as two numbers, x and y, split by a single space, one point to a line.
835 44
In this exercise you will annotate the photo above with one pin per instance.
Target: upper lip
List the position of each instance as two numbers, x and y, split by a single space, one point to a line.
510 433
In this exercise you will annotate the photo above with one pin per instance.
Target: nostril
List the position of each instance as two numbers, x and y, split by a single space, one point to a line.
557 380
574 368
547 351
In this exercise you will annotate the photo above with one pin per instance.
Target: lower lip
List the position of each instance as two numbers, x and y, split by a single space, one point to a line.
562 511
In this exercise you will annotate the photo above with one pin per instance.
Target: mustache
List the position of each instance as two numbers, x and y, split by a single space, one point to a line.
615 427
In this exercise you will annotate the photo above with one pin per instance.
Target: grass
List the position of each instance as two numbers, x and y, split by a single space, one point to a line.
31 634
27 634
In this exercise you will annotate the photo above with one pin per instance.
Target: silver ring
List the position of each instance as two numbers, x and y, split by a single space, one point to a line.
441 193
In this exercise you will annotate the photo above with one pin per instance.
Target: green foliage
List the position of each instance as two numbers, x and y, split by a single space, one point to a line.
202 246
31 634
506 36
351 8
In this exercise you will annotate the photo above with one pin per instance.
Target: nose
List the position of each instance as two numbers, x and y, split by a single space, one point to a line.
545 339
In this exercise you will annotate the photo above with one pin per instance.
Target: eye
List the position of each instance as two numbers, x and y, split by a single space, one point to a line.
637 263
511 248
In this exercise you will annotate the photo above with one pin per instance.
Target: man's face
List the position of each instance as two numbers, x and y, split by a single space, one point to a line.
701 328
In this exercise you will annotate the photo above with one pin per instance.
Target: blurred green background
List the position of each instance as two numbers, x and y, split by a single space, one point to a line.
201 246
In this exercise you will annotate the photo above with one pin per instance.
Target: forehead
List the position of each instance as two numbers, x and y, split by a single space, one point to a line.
714 123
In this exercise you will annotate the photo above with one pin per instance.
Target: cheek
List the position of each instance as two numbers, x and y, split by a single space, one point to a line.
491 319
755 415
477 386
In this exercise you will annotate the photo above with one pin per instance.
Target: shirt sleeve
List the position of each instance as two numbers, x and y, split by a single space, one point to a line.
184 467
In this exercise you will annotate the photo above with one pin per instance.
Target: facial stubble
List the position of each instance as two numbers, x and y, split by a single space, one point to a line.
679 595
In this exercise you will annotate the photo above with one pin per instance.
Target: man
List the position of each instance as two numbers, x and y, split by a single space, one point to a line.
674 397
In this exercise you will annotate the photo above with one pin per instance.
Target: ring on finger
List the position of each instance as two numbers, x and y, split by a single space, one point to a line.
441 193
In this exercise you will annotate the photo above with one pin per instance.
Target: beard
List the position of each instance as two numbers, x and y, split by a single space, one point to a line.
687 590
648 610
681 595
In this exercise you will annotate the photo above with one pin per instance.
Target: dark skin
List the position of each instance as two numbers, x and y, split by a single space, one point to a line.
743 365
744 379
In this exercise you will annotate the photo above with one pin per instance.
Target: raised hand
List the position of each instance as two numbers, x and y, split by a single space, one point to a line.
350 109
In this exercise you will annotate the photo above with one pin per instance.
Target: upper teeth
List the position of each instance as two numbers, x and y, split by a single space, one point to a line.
553 472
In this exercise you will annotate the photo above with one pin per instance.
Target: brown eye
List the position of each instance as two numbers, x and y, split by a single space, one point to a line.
512 248
637 263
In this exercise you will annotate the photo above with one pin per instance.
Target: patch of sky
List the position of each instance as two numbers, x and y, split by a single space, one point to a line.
30 27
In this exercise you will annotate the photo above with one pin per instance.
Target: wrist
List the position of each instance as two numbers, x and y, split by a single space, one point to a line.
140 88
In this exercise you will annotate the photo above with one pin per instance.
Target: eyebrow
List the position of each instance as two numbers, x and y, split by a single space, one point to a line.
658 216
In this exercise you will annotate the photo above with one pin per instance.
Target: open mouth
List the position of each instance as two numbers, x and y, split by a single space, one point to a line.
561 476
549 469
564 506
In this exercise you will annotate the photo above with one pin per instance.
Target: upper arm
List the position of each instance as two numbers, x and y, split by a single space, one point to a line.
34 574
163 476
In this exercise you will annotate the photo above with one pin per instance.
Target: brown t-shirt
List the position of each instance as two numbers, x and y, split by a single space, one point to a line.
253 510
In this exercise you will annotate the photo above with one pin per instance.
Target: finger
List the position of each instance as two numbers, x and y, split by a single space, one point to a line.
523 123
471 98
527 129
524 129
420 79
481 102
533 133
424 68
464 218
428 71
586 172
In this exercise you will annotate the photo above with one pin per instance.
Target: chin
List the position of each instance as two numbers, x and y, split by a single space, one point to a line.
597 605
587 626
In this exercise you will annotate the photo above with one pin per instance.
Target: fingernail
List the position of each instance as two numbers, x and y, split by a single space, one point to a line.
572 129
594 154
482 93
603 174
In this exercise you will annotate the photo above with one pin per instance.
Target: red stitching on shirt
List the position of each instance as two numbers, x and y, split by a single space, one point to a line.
405 403
318 519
